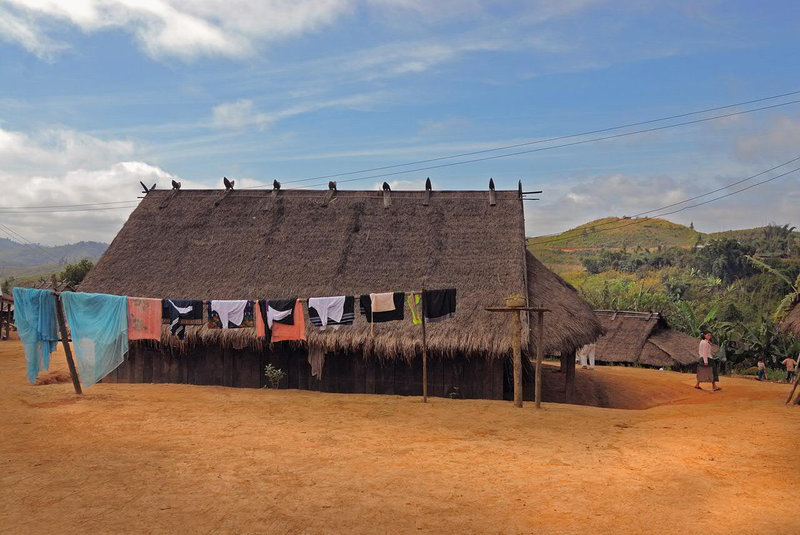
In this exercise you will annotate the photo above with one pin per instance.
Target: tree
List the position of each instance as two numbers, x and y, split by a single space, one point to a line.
74 273
7 285
725 259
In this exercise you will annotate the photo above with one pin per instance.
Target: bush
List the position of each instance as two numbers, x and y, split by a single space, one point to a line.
274 376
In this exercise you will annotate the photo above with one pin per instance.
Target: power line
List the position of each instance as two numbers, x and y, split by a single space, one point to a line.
557 138
11 233
696 196
62 205
641 220
571 144
65 210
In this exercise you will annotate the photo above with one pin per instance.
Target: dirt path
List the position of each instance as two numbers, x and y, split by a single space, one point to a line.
190 459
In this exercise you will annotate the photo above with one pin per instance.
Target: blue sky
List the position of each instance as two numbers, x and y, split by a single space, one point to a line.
97 94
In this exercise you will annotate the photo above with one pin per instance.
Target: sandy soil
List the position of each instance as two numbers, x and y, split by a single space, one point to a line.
192 459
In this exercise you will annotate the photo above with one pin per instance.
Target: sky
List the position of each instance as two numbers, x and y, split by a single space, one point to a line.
96 95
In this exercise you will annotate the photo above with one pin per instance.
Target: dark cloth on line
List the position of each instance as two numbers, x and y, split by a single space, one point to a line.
380 317
440 304
348 315
183 312
277 311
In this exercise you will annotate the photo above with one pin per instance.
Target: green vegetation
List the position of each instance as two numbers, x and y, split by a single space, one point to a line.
737 284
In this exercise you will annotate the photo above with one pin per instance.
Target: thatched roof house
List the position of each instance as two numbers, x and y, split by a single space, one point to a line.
791 323
643 338
248 244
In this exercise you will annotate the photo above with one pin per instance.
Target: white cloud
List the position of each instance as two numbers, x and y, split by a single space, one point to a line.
242 113
779 139
65 167
170 28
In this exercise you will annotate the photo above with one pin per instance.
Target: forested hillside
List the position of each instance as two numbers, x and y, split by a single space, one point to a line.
737 283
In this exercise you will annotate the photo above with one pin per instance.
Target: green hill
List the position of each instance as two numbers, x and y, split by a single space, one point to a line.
20 260
616 232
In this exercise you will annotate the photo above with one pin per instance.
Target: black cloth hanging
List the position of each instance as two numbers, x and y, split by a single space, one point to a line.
440 304
348 316
180 313
379 317
277 311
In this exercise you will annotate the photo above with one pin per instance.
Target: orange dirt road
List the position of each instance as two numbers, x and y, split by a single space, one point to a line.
193 459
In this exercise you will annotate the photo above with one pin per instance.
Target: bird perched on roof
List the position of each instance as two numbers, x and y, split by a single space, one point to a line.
332 185
276 185
228 183
386 187
175 184
145 189
491 184
428 184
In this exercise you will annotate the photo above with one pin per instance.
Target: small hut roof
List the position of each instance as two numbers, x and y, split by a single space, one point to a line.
791 323
6 298
626 334
61 286
250 244
644 338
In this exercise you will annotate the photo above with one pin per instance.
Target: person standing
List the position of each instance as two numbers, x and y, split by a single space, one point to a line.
790 364
761 374
705 366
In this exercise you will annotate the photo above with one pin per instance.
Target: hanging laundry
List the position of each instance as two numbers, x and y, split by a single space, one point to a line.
282 332
382 302
230 314
316 358
99 327
144 318
331 311
377 317
260 315
35 317
182 312
440 304
413 300
280 311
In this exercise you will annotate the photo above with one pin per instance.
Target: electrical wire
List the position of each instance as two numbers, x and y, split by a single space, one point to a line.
557 138
642 220
704 194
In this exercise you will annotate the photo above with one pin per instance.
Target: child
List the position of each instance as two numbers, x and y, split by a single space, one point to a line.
761 374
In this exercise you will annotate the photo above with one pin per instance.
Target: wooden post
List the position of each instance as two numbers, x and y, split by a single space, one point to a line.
424 350
62 325
794 387
539 352
516 328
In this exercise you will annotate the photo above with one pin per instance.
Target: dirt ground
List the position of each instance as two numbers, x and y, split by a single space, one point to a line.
196 459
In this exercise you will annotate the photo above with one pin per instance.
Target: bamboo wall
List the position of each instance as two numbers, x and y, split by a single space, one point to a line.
343 373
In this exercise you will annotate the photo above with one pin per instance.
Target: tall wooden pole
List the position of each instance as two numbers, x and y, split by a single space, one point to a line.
794 387
539 351
62 326
424 350
516 329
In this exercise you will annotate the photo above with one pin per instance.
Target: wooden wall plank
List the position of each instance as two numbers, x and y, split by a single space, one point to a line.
359 373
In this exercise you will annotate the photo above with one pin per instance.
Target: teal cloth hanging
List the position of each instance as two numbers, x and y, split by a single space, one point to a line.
99 326
35 317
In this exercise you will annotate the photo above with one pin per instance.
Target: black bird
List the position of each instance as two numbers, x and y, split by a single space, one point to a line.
332 185
491 184
428 184
228 183
176 185
276 185
386 187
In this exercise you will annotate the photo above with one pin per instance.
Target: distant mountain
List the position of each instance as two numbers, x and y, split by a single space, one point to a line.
25 260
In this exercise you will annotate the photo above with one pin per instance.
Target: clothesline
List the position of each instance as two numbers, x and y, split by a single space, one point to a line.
102 325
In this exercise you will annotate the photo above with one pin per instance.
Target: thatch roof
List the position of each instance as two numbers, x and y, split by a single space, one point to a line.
255 245
6 298
61 286
791 323
643 338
